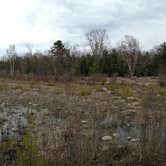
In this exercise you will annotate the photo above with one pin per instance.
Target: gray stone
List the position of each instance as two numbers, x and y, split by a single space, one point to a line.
106 138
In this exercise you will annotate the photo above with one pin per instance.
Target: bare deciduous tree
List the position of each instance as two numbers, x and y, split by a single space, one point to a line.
11 53
96 41
29 47
129 49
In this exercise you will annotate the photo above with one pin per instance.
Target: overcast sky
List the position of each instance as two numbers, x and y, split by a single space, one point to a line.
42 22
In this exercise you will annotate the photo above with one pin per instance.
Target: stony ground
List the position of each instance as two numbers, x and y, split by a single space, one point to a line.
88 118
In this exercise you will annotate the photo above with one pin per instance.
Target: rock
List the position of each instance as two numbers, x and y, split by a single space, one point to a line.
115 134
104 89
135 103
131 111
133 139
84 122
106 138
131 98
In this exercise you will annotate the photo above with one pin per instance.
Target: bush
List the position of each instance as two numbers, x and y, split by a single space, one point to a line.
114 85
126 92
28 154
85 91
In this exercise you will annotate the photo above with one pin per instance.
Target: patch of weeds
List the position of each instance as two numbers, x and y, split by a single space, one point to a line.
162 91
31 84
29 153
83 90
58 91
113 86
158 89
97 87
18 86
4 87
152 123
118 155
126 92
50 83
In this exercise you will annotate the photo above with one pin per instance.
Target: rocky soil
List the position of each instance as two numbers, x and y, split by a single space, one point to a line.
108 113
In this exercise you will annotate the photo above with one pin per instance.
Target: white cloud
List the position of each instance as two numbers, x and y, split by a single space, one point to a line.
44 21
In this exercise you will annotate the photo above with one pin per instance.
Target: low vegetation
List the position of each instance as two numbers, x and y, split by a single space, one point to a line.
121 122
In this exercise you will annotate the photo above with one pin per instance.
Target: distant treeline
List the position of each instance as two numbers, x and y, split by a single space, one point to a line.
125 60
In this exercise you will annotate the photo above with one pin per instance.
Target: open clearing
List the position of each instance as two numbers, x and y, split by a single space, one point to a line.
95 124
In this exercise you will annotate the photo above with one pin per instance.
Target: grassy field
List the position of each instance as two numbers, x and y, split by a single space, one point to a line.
121 122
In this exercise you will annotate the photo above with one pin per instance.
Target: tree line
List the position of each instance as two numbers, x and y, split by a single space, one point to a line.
126 59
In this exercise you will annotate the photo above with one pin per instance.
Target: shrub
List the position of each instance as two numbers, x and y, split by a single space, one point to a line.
126 92
114 85
83 90
29 154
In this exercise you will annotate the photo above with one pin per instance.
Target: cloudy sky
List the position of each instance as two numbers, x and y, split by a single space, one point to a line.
41 22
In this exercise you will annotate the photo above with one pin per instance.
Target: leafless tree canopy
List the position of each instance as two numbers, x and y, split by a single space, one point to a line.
11 53
96 41
29 47
129 49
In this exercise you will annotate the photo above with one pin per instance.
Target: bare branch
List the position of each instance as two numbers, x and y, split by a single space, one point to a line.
129 49
96 41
